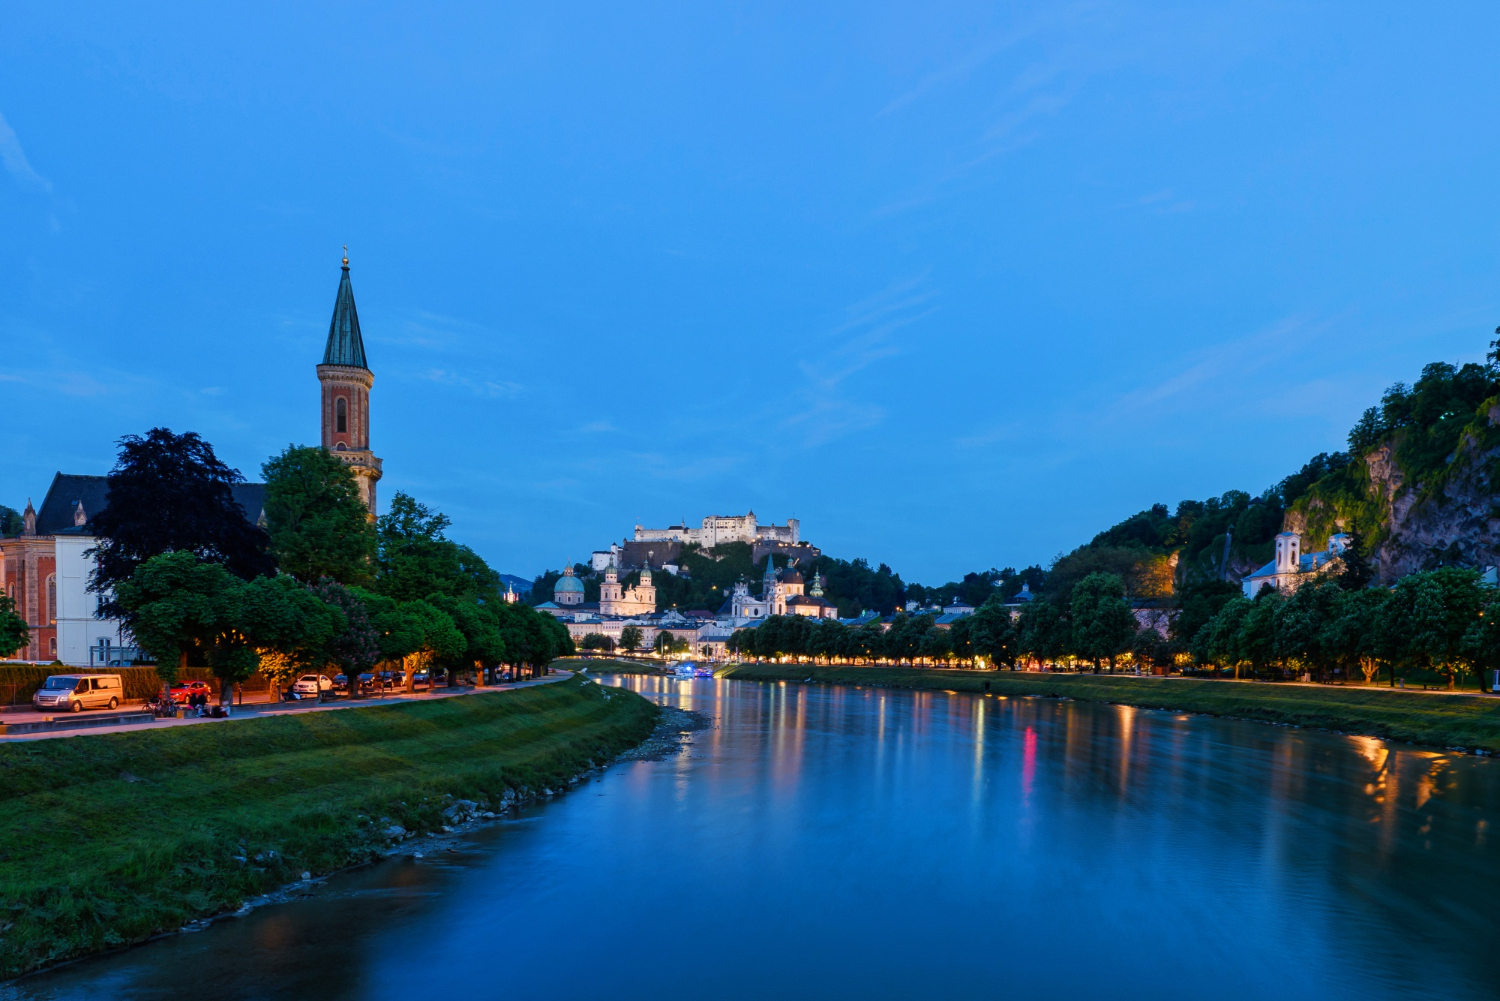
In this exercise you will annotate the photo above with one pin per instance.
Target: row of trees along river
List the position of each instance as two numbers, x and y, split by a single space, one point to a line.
1435 627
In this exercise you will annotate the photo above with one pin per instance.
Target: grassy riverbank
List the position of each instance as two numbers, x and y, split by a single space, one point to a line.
1419 718
612 665
107 840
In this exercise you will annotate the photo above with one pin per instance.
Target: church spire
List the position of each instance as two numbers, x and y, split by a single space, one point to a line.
345 346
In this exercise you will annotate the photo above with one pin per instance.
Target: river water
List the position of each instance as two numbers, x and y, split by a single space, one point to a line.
825 842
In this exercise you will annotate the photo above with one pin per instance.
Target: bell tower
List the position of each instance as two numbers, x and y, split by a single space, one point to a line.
346 380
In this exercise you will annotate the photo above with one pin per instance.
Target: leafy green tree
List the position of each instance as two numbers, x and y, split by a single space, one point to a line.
993 634
178 604
1354 636
276 615
1197 601
1103 624
1218 641
14 633
936 644
1355 571
416 559
1429 616
630 638
1257 636
1482 640
414 634
354 649
1042 632
1302 625
169 493
484 643
318 524
11 522
597 641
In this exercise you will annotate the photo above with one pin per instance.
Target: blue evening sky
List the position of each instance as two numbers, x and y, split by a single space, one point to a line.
958 285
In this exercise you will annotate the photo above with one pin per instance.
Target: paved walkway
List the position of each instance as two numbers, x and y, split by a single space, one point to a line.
258 710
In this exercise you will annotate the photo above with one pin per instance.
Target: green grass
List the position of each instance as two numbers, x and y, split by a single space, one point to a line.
107 840
1437 720
612 665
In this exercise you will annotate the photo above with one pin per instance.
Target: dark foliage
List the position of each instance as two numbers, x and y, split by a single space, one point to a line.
170 493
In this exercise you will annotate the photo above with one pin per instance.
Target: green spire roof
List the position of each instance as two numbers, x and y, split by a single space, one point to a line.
345 346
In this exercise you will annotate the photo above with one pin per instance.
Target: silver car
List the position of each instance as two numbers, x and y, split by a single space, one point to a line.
77 692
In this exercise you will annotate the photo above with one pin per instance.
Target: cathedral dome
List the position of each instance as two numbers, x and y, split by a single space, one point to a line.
567 583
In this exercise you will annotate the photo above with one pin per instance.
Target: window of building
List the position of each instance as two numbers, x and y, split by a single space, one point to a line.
52 598
52 644
341 415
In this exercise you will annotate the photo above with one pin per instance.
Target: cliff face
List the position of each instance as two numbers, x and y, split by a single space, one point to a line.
1453 518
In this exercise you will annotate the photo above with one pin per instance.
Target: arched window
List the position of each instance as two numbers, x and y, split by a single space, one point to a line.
341 416
52 598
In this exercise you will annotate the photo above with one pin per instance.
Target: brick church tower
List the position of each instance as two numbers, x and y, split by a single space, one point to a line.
346 383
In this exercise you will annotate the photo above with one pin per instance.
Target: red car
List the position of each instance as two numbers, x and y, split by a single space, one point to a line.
184 690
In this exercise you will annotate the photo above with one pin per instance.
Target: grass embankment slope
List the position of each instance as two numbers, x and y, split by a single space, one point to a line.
612 665
1419 718
107 840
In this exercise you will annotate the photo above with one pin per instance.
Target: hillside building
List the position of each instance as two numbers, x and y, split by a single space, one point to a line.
1291 568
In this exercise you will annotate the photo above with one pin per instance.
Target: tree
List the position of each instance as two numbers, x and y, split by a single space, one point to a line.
415 559
484 645
1102 621
1257 635
169 493
630 638
178 605
14 633
11 522
1302 625
993 634
1197 601
1355 572
354 649
598 641
319 526
1429 616
411 633
1354 633
1218 642
1042 632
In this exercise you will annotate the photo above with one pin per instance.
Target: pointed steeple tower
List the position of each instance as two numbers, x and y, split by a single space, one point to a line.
345 346
347 379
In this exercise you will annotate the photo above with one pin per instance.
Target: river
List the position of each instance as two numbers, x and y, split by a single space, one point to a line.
824 842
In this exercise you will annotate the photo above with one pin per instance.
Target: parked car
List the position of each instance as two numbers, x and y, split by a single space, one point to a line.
392 681
184 690
77 692
311 686
420 679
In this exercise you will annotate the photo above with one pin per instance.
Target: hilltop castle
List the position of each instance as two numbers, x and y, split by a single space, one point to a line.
719 528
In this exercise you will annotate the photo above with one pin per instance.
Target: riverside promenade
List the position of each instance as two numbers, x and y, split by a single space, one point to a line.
254 710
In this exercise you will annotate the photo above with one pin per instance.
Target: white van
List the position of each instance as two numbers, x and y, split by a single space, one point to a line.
77 692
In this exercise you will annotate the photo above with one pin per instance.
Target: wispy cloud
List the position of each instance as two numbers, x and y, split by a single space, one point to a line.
867 334
480 386
14 158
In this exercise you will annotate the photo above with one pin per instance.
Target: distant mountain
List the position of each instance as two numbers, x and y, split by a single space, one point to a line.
522 585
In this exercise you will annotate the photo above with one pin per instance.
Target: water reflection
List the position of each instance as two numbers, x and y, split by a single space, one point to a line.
845 842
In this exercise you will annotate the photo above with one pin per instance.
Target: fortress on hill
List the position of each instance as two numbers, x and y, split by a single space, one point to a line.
719 528
659 548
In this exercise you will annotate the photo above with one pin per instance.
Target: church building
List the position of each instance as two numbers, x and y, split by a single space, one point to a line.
46 569
346 381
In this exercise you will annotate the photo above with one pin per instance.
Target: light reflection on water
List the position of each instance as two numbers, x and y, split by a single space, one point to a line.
862 842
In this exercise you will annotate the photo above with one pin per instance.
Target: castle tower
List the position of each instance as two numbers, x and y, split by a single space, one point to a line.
346 381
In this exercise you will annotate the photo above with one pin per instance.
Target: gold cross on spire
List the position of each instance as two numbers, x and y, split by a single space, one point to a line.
346 255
